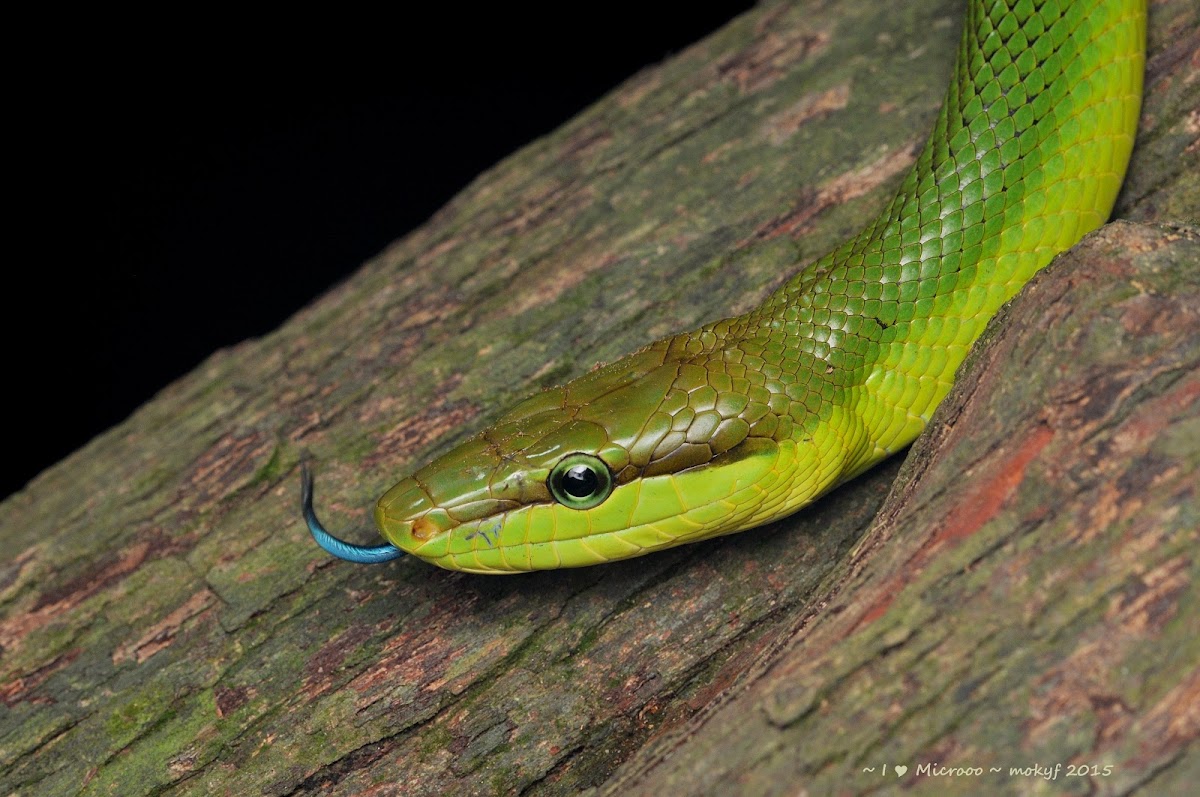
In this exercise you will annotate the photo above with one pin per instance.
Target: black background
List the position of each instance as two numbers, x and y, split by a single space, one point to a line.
183 185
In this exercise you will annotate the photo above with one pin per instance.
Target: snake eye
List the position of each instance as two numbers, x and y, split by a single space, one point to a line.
580 481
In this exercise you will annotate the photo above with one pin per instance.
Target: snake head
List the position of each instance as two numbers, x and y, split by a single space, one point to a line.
619 462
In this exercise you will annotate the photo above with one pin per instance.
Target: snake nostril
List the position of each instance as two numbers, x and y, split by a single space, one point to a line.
429 525
423 528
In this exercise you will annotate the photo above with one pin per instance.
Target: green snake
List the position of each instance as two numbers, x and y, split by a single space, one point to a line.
748 419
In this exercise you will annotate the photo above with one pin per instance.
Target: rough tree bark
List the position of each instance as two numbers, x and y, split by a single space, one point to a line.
1026 595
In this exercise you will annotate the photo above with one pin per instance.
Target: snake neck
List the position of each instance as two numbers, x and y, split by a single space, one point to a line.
1026 156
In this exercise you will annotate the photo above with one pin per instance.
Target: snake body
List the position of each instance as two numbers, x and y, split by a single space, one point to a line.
748 419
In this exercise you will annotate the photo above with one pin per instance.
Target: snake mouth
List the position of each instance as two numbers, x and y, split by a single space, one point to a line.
417 537
416 518
408 519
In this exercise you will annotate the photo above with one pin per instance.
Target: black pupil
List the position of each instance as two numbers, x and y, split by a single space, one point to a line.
580 481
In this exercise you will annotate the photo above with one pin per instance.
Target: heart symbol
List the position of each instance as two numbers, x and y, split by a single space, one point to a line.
900 770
